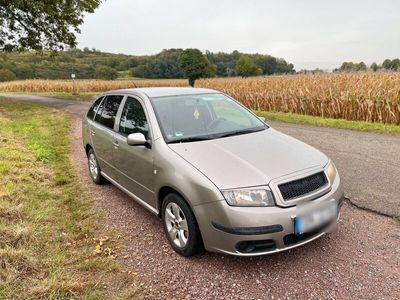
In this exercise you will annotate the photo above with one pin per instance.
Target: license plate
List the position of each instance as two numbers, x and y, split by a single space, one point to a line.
312 220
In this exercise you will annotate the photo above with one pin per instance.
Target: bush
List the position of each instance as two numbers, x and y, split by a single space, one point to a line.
246 67
6 75
105 72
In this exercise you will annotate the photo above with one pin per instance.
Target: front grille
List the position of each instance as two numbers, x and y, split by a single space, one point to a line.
300 187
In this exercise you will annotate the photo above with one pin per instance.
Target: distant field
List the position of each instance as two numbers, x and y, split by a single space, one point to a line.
370 97
83 86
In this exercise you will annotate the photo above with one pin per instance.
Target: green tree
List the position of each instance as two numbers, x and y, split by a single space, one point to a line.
267 63
352 67
224 63
106 72
347 67
6 75
282 67
24 71
387 64
374 67
246 67
361 66
165 64
41 24
139 71
211 70
396 64
195 65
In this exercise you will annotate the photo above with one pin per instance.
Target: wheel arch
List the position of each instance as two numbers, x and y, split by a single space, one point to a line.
164 191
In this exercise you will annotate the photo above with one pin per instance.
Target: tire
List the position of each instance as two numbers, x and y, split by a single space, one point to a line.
184 237
94 168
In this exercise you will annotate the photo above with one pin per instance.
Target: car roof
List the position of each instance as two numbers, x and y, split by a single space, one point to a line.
164 91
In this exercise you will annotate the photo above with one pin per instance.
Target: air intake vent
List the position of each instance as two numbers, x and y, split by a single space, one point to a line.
304 186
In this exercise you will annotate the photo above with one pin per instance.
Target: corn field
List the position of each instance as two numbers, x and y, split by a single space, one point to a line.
67 86
371 97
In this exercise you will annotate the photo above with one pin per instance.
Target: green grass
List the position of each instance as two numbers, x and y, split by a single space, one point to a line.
325 122
83 96
47 229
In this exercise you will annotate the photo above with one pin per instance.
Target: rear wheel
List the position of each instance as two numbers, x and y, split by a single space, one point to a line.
180 226
94 168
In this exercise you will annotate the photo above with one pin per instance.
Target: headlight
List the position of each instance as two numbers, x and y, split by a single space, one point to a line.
331 172
249 197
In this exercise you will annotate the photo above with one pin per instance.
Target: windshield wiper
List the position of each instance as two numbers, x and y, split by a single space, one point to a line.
242 131
215 136
191 139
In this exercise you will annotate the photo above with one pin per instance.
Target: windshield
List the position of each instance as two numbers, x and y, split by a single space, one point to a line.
190 118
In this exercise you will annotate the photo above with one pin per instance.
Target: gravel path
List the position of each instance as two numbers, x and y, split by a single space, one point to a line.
369 163
359 260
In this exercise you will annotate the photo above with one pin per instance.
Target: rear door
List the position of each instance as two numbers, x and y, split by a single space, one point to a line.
135 163
88 121
102 132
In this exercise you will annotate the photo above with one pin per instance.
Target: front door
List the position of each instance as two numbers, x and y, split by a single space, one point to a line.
134 163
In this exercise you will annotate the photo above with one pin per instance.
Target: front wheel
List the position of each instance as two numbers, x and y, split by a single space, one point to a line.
180 226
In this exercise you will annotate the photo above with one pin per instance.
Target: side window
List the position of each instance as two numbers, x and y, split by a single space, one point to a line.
133 118
93 110
109 111
99 110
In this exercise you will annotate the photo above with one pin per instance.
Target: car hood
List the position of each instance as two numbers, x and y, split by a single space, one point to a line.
249 159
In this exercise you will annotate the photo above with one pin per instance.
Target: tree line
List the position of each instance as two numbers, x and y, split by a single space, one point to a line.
170 63
387 64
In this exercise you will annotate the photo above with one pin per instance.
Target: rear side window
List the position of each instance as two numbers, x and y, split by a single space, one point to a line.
133 118
109 111
93 110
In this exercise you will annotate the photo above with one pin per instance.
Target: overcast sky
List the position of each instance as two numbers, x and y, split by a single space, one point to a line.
308 33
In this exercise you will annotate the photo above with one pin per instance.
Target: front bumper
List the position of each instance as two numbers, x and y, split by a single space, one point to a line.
231 230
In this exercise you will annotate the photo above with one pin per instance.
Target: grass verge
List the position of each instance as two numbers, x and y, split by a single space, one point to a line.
333 123
82 96
50 245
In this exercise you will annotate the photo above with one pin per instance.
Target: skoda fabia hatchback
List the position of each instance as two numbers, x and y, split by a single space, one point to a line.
217 175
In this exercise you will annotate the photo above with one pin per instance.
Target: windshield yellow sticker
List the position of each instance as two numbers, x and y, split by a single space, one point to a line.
196 114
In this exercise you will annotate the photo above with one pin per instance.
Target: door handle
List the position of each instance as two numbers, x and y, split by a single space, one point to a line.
116 145
92 132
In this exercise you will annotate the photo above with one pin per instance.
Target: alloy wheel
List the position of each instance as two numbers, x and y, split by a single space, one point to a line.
93 168
177 226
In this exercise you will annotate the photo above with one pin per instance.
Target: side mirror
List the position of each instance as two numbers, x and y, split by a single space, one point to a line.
136 139
262 119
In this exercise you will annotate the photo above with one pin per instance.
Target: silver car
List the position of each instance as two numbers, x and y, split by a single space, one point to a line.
217 175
